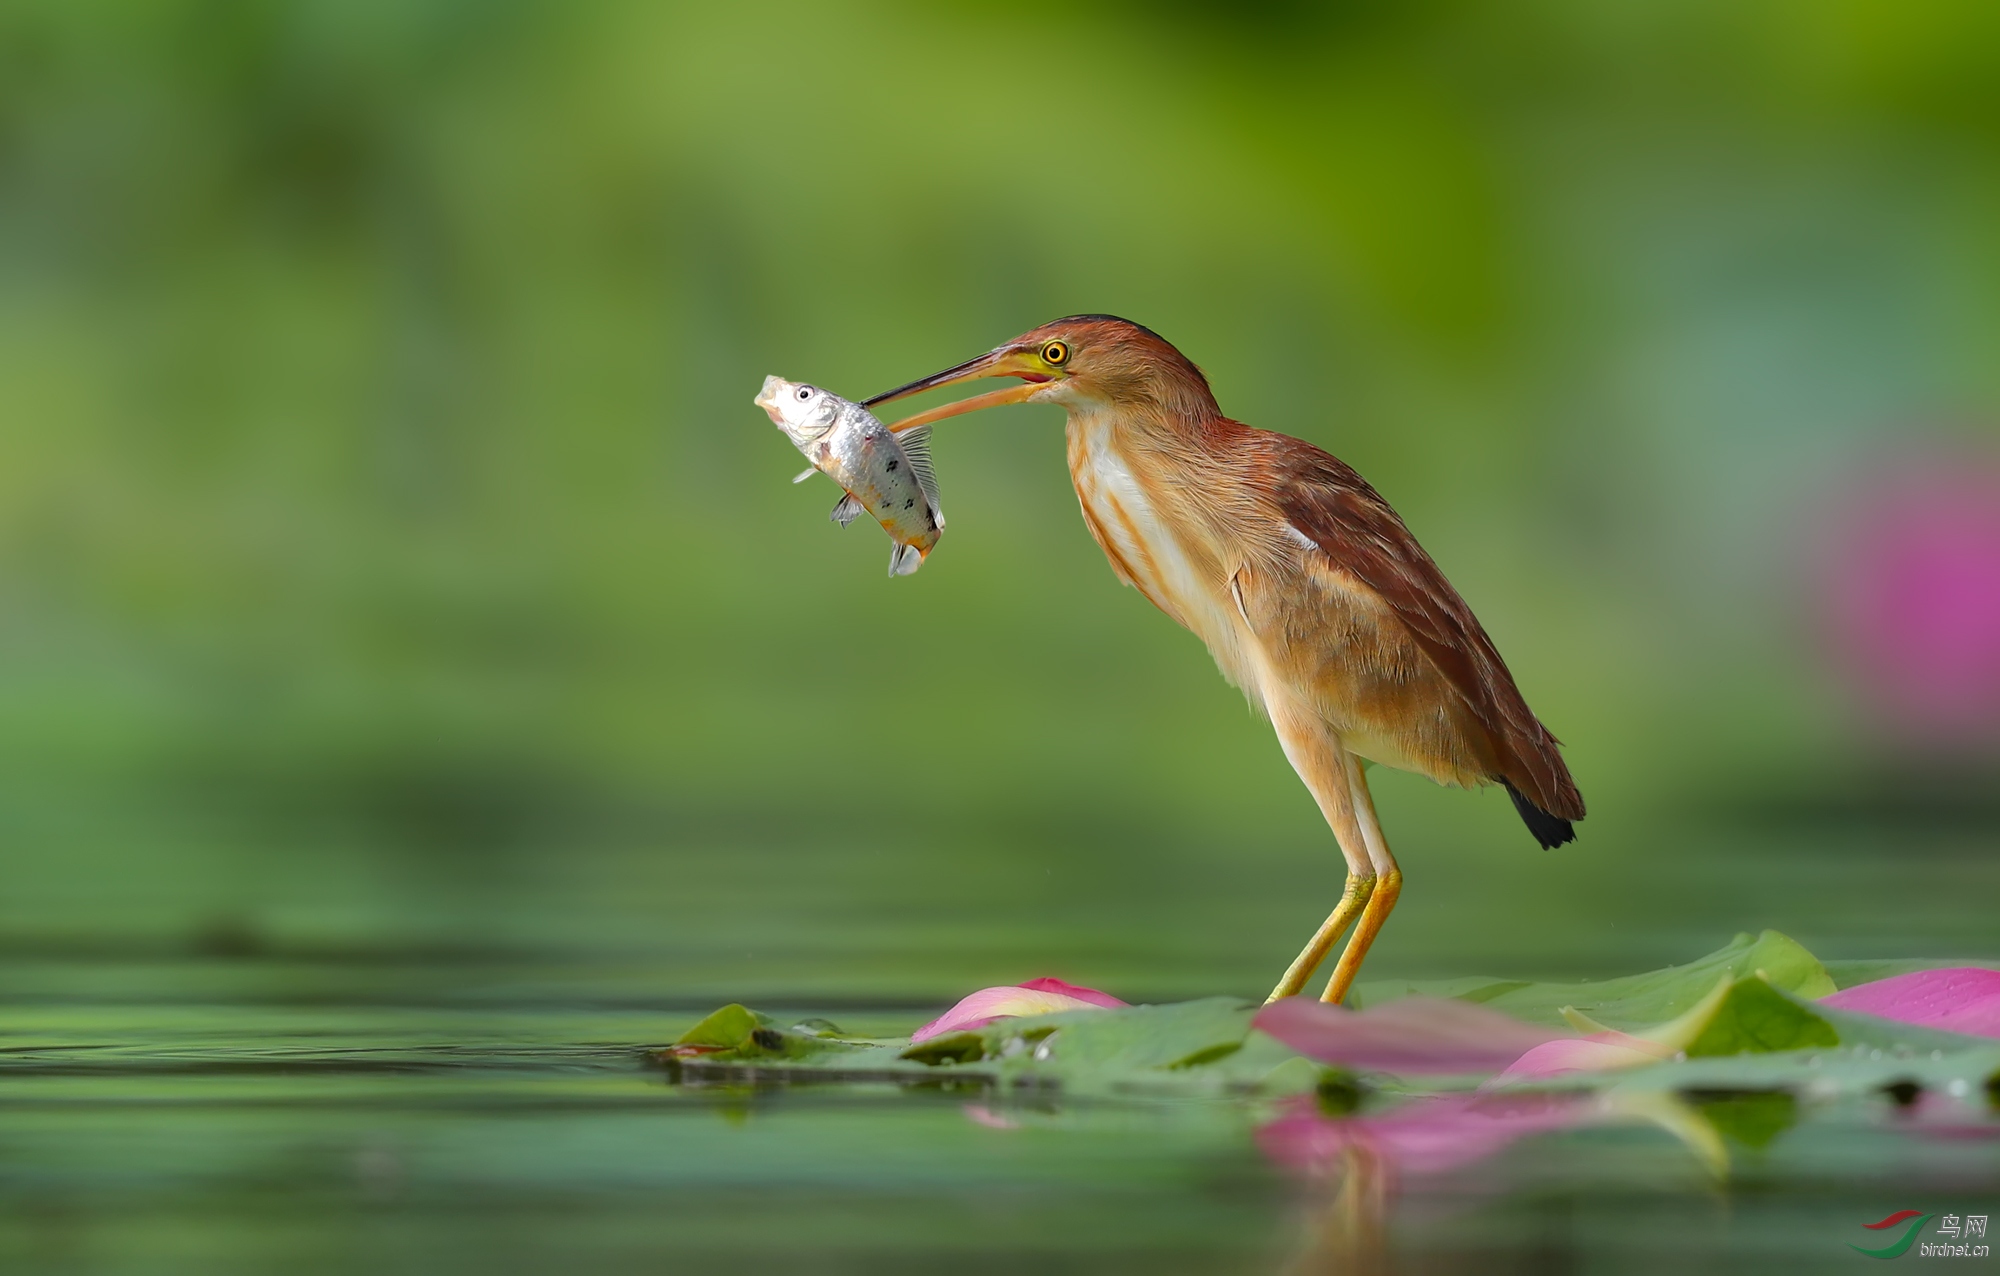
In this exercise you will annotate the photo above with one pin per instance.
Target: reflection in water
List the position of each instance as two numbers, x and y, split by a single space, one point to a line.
1358 1164
1360 1160
1346 1233
1425 1136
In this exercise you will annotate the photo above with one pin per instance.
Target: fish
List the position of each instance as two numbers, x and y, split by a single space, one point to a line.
881 473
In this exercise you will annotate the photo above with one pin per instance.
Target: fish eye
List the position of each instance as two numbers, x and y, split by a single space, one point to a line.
805 392
1055 353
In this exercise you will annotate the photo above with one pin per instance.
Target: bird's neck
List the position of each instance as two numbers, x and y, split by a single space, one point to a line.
1142 477
1143 427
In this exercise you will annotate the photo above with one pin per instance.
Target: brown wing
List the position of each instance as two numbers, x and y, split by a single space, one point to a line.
1356 529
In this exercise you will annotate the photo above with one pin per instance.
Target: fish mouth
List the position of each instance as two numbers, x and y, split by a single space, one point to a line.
1007 361
767 398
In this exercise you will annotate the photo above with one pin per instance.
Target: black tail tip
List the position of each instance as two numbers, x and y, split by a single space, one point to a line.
1551 831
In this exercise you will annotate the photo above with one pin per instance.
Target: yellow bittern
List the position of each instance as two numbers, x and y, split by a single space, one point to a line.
1309 591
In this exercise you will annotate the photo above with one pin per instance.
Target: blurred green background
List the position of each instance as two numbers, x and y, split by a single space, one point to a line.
395 578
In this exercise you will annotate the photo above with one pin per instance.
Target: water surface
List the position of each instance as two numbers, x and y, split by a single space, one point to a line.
179 1116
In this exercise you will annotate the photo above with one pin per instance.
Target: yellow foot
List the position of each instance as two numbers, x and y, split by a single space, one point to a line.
1354 899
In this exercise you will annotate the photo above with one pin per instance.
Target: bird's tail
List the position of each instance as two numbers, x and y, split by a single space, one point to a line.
1550 830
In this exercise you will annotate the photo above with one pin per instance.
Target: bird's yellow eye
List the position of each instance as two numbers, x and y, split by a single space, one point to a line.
1055 354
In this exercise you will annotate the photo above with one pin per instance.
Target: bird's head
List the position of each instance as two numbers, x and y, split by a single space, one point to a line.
1082 362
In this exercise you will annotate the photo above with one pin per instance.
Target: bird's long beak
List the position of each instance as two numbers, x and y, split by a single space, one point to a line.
1005 362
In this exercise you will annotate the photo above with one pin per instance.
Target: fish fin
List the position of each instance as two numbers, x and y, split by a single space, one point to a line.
917 446
904 559
847 510
805 474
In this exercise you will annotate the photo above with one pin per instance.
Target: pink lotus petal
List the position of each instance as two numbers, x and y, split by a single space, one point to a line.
1036 998
1599 1052
1424 1136
1049 983
1411 1035
1912 587
1956 999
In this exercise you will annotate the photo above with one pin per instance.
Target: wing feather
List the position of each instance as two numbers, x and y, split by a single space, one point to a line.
1329 504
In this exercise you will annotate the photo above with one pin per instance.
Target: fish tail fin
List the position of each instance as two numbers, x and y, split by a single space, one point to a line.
904 559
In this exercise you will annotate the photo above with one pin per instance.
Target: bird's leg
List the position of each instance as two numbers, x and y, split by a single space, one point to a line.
1316 754
1388 885
1353 898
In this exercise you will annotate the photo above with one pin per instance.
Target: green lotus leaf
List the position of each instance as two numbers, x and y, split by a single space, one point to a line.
726 1029
1633 1001
1755 1018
